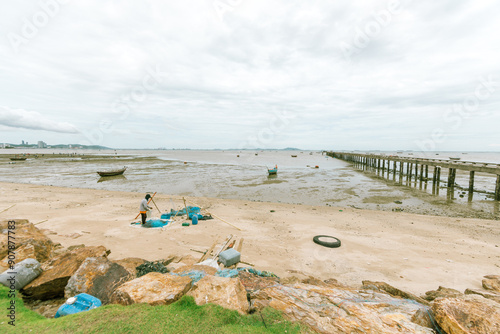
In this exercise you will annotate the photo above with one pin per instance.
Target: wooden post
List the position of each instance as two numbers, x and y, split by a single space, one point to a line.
401 171
426 173
410 171
421 172
471 181
451 177
497 189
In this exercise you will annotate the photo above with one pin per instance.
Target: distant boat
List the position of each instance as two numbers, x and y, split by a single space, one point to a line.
455 158
113 172
294 156
273 171
18 158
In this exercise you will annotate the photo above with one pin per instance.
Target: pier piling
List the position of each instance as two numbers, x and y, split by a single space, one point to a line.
378 162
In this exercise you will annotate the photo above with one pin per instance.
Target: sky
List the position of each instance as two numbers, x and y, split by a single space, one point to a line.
321 74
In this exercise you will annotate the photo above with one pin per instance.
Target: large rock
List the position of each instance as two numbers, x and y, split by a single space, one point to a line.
57 271
130 264
22 253
442 292
395 292
342 310
469 314
226 292
253 282
492 282
98 277
26 233
153 288
199 267
483 293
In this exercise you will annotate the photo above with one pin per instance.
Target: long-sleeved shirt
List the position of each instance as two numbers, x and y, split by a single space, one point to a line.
144 206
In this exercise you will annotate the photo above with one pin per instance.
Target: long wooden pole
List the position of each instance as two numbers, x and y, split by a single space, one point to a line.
8 208
156 206
224 221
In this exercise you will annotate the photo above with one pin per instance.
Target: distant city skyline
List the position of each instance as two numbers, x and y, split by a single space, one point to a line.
357 75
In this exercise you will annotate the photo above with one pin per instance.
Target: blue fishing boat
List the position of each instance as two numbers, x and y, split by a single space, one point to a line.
273 171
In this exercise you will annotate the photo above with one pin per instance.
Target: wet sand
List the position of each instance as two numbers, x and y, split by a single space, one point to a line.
413 252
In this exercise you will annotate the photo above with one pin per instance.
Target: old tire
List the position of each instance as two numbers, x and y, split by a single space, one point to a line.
331 242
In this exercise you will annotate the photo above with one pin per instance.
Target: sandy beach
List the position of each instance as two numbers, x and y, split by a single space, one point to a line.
412 252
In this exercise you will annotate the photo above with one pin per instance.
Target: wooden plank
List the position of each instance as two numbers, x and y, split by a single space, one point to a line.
240 245
207 253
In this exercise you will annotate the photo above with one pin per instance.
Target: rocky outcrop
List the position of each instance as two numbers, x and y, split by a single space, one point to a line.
484 293
395 292
226 292
468 314
22 253
57 272
442 292
492 282
98 277
206 269
130 264
252 282
26 233
342 310
153 288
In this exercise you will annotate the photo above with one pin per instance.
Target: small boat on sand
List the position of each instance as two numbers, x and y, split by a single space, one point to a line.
18 158
455 158
273 171
112 172
294 156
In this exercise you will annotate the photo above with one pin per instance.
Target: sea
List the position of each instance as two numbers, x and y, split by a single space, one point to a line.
304 177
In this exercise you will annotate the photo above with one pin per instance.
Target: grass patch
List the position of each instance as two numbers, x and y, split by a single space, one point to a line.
183 316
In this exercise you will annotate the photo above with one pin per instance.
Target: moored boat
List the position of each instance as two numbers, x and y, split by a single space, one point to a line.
112 172
18 158
273 171
455 158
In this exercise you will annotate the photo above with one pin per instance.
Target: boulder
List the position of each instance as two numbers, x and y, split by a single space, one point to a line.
57 271
206 269
22 253
226 292
252 282
26 233
153 288
395 292
130 264
342 310
442 292
492 282
484 293
98 277
468 314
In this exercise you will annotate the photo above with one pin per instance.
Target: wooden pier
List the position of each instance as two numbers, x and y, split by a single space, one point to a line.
418 169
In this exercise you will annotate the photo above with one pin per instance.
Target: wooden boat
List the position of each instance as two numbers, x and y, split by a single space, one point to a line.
273 171
294 156
113 172
454 158
18 159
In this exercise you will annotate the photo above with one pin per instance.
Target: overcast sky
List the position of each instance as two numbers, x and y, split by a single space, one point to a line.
366 75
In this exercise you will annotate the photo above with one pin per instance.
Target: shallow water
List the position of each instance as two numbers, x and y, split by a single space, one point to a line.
223 174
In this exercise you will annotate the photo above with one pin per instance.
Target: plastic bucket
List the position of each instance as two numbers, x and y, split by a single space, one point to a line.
194 220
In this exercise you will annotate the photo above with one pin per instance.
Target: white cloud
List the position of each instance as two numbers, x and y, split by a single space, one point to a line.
19 118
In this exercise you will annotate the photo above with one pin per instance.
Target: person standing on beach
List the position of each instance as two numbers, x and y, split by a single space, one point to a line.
144 208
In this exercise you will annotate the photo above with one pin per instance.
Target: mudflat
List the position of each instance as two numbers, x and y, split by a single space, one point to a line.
412 252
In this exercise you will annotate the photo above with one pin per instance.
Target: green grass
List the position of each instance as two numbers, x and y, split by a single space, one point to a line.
183 316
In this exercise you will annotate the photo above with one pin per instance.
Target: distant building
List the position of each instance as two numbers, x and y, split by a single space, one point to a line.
42 144
22 142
